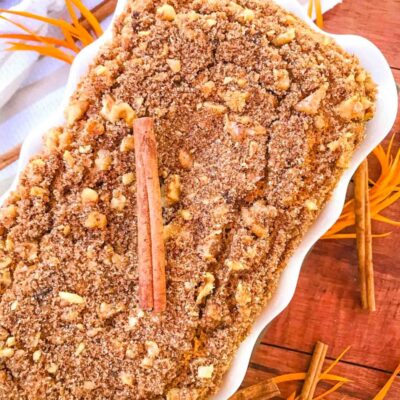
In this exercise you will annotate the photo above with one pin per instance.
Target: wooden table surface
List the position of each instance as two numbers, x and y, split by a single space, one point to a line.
326 304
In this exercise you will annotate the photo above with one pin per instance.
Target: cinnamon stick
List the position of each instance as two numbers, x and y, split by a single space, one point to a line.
101 11
151 253
362 213
264 390
314 371
9 157
144 237
369 268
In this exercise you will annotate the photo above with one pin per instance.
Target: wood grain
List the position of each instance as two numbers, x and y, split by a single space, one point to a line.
376 20
270 361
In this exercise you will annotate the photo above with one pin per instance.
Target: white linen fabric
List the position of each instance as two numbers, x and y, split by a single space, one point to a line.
31 87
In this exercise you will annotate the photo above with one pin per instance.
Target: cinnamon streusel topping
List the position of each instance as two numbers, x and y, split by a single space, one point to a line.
256 116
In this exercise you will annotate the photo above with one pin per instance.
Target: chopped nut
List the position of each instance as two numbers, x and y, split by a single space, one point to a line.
37 355
175 65
237 132
5 278
128 178
334 145
353 108
285 37
51 139
185 159
66 229
10 342
65 140
132 322
8 214
282 80
311 205
152 348
5 262
107 311
96 220
311 104
259 231
85 149
52 368
127 144
68 158
113 111
71 298
94 127
75 111
236 100
14 305
100 70
171 230
247 15
214 107
79 349
4 334
93 332
205 371
173 192
207 88
6 352
118 201
242 294
104 160
126 378
206 288
166 12
235 265
37 191
89 196
319 122
147 362
89 386
186 215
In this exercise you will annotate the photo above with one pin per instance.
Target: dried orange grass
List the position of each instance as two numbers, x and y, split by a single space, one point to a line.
382 194
340 380
76 36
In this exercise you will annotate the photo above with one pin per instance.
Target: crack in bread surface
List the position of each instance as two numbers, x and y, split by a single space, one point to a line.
256 116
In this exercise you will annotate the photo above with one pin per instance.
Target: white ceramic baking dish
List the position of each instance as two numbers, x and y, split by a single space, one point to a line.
374 61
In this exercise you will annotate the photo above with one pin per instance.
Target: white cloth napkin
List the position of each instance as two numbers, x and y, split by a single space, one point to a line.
31 87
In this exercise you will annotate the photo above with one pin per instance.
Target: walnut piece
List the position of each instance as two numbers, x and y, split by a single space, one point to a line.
166 12
89 196
75 111
285 37
205 371
236 100
96 220
104 160
310 104
206 288
214 107
71 298
127 143
173 191
174 65
113 111
185 159
282 80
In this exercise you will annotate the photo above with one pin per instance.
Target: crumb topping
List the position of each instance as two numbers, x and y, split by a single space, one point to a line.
256 116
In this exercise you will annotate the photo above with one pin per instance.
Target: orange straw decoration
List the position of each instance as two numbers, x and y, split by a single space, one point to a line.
76 36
